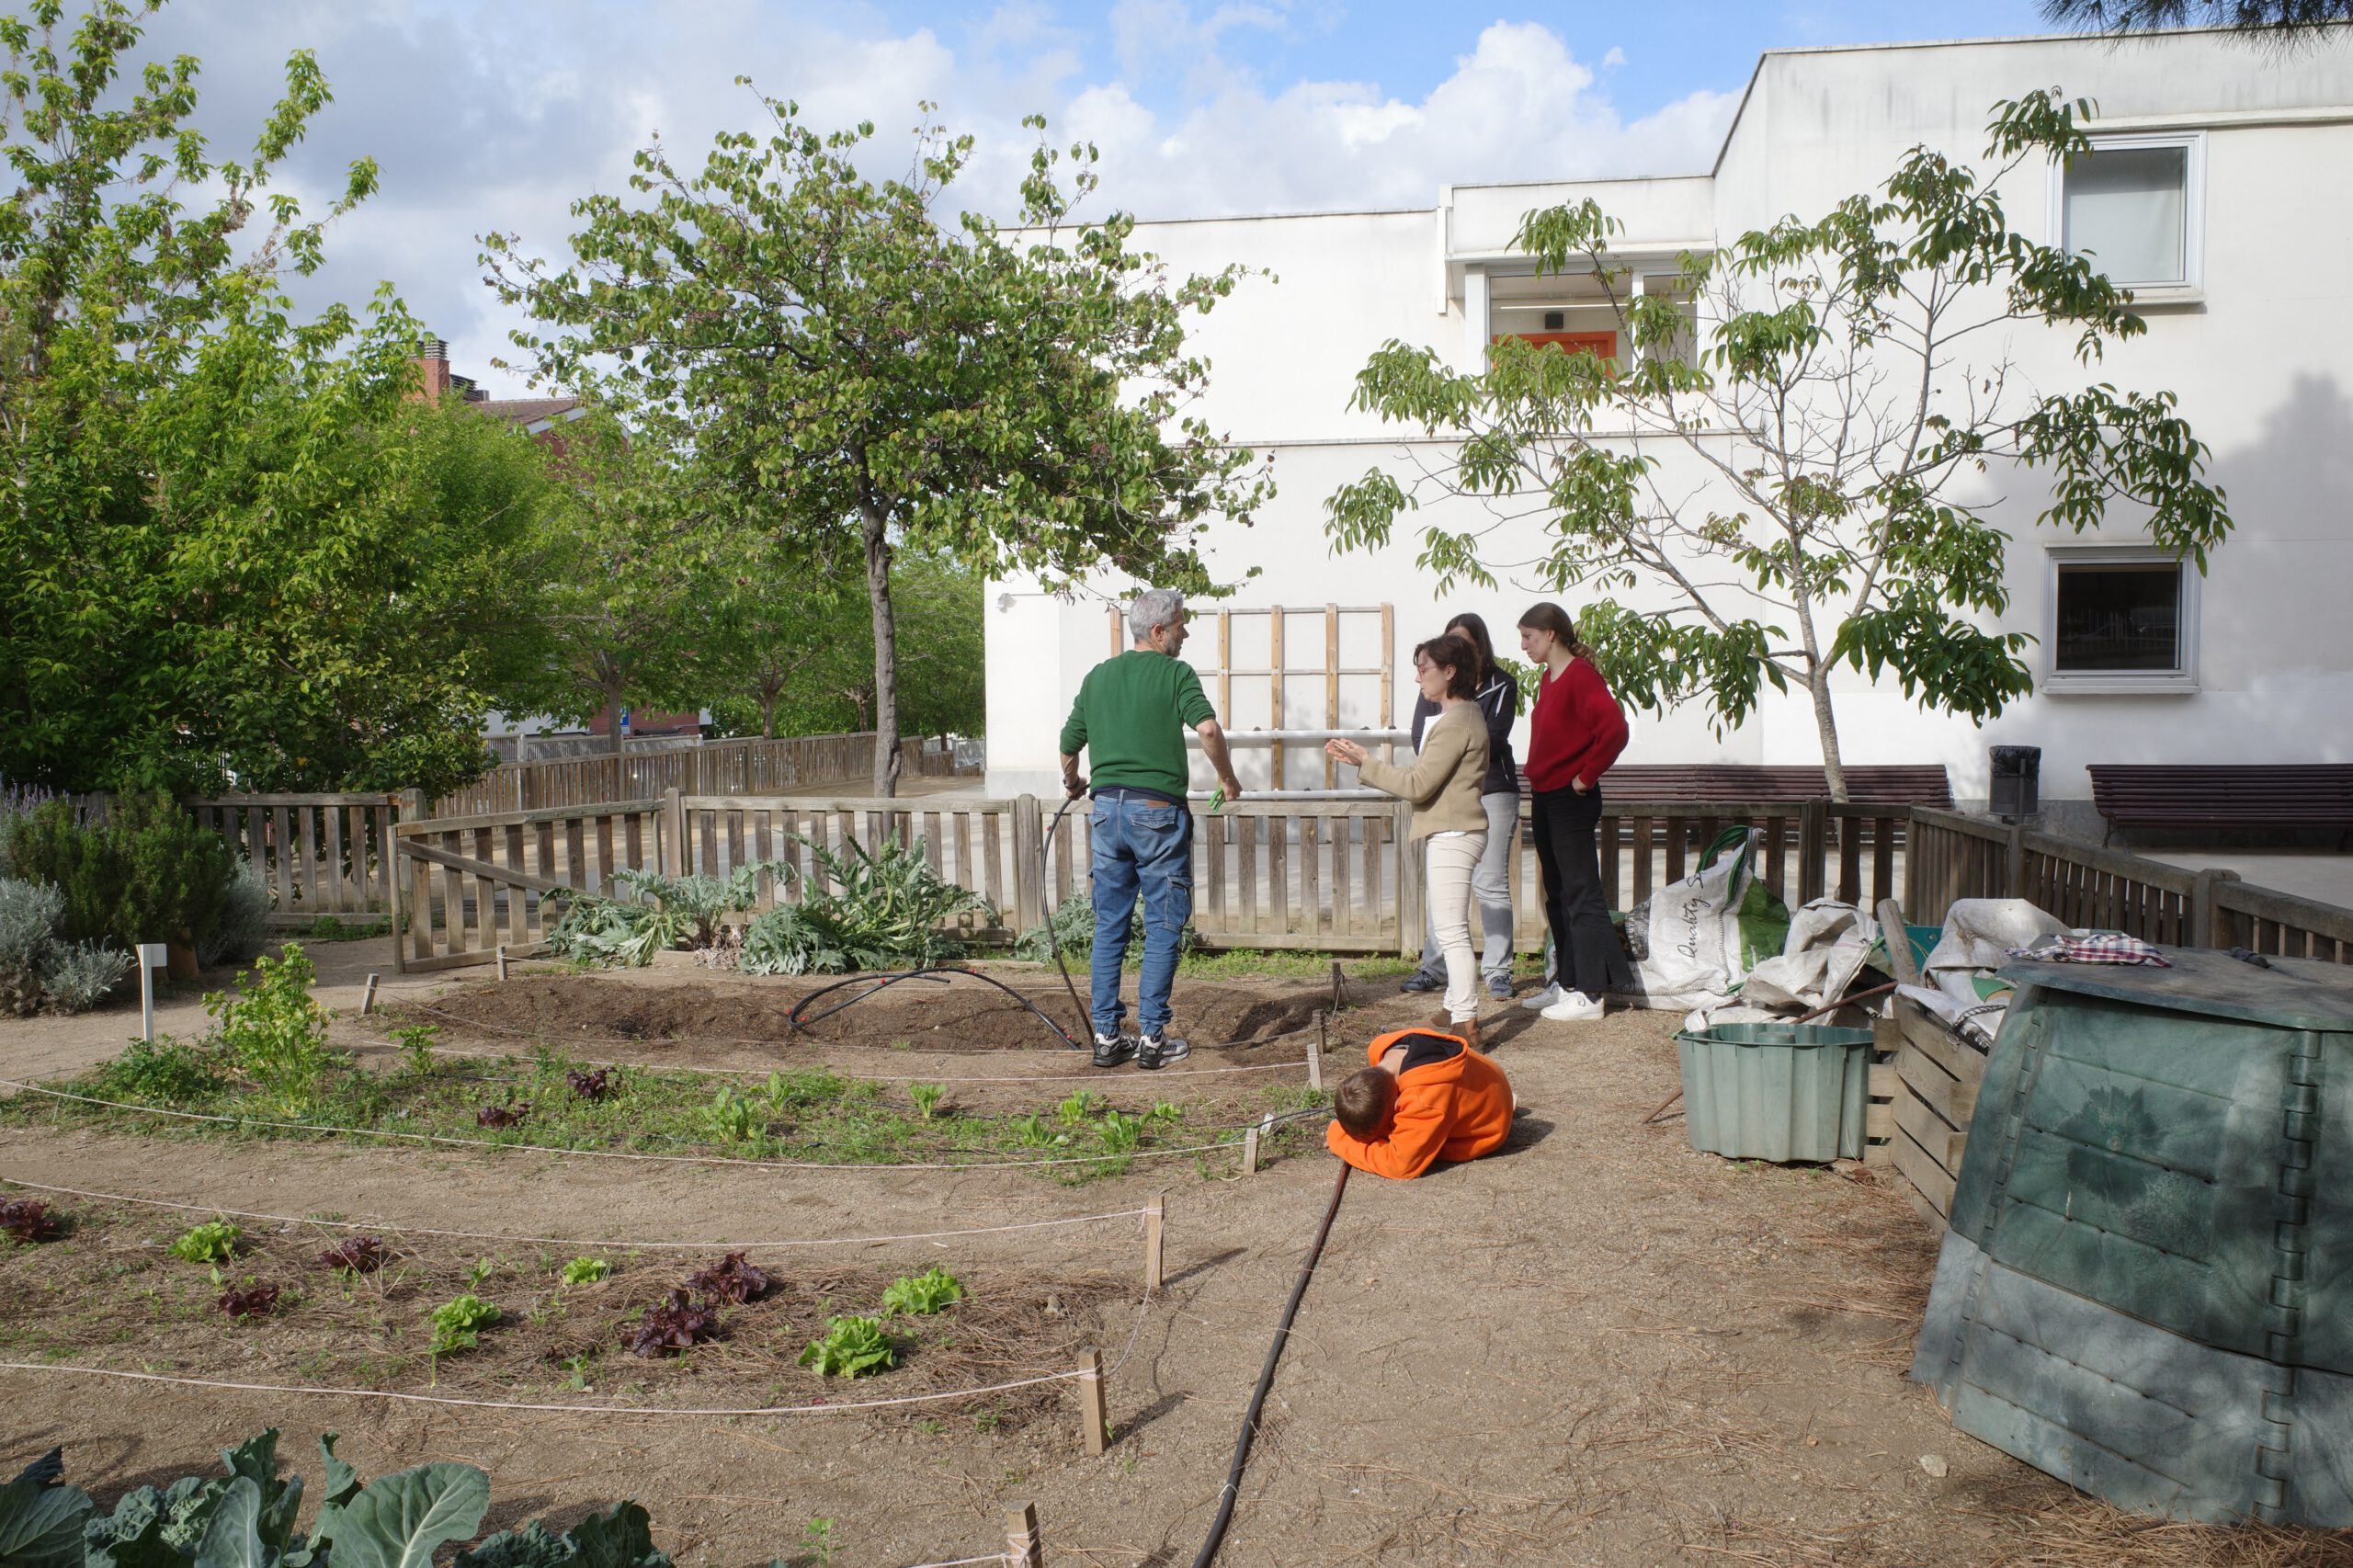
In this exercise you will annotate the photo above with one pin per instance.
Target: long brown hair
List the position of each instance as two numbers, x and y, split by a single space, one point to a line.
1459 656
1473 627
1549 617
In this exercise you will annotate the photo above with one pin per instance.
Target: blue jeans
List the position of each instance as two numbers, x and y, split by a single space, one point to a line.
1144 847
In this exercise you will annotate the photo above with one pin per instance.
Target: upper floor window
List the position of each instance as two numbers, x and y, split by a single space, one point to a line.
2134 205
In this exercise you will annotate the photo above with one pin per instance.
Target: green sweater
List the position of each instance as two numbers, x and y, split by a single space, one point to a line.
1132 714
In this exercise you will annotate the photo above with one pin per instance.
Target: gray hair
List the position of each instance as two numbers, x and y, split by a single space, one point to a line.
1153 606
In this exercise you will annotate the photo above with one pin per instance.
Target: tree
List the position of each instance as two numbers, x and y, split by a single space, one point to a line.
237 551
2290 22
1829 428
827 360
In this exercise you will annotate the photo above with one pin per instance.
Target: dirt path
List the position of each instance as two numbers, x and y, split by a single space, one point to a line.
1597 1347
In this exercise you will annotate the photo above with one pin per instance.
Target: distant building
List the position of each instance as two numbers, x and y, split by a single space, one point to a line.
2207 193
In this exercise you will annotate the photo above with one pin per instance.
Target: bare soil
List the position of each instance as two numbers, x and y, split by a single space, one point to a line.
1598 1346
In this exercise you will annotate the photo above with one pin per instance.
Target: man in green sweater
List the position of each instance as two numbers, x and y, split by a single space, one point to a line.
1130 717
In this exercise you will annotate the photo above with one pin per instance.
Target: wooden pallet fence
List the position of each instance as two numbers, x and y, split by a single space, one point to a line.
1939 1072
715 767
323 856
2270 922
989 846
469 885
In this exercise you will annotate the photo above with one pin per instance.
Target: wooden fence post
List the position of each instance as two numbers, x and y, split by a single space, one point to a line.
1250 1153
1814 849
368 998
1028 887
1156 1213
2014 863
2205 923
1094 1420
675 861
1410 891
1315 1053
1022 1548
410 806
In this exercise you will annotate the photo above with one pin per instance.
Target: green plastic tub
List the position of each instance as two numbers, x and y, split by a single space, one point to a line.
1778 1092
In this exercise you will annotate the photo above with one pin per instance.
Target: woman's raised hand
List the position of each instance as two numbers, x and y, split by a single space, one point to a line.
1344 751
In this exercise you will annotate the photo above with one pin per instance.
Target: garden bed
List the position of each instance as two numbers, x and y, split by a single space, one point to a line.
109 1293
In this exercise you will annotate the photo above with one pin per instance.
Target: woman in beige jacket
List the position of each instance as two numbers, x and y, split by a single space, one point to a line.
1451 824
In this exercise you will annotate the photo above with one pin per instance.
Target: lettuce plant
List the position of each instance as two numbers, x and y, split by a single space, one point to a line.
920 1295
215 1241
850 1348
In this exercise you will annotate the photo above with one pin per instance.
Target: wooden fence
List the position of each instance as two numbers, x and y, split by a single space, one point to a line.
322 856
716 767
467 886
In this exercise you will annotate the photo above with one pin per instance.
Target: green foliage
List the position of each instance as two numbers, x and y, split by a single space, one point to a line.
29 913
273 1032
246 1520
927 1098
736 1118
1079 1106
143 872
415 1043
1071 927
164 1072
458 1324
242 928
659 914
827 367
237 550
586 1270
215 1241
1818 374
1119 1134
850 1348
920 1295
883 910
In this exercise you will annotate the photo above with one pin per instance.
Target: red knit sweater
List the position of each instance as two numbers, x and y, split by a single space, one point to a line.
1576 729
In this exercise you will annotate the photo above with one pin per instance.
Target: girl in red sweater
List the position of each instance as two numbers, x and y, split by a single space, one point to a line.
1575 732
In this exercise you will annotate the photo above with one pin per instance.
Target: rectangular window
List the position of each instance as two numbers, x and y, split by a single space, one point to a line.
2132 207
2118 617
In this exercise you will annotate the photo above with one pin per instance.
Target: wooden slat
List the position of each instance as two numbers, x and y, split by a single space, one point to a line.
520 899
1926 1177
576 853
1938 1138
333 887
1944 1093
991 866
1641 852
1278 874
1928 1035
1310 893
1246 871
453 892
485 892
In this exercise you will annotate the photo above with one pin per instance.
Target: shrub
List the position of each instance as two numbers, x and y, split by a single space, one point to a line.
888 914
164 1072
144 872
28 916
274 1033
243 929
1071 927
76 976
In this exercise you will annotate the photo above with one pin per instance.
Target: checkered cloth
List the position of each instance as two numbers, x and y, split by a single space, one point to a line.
2093 947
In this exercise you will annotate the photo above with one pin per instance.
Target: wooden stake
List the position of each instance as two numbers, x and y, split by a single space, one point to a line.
1250 1153
1315 1053
368 998
1154 1214
1022 1547
502 961
1094 1423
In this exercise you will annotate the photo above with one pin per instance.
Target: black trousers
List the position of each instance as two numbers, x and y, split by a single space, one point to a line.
1586 950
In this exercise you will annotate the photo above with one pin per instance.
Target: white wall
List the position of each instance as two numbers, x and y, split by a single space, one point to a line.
2262 366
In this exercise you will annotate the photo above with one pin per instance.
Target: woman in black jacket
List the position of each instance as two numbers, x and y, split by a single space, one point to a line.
1498 697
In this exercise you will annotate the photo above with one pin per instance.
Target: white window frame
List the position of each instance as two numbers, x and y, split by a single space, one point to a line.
2192 288
2179 681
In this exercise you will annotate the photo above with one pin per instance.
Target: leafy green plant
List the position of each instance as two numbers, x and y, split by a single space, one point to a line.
850 1348
660 914
1082 1104
417 1042
920 1295
1120 1135
927 1098
817 1535
274 1033
479 1271
458 1324
215 1241
143 872
1166 1111
163 1072
586 1270
1071 929
1033 1131
883 909
736 1119
40 971
243 929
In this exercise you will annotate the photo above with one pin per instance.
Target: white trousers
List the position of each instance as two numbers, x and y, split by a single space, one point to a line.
1490 889
1447 860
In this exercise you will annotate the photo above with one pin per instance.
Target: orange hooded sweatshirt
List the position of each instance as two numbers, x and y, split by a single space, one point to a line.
1455 1109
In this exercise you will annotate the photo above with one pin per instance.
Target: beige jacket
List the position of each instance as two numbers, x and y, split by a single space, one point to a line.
1443 783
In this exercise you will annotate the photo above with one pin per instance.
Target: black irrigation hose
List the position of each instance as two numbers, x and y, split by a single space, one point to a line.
937 974
1233 1488
1053 944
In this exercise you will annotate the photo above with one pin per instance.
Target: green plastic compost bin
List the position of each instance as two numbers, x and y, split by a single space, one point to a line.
1778 1092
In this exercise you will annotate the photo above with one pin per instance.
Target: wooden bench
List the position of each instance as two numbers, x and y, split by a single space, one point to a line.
1873 785
2266 794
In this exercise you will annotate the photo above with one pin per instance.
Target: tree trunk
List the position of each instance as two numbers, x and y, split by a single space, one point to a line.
768 694
613 712
1825 723
886 654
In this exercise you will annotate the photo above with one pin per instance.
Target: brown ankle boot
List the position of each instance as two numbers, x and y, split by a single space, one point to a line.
1466 1032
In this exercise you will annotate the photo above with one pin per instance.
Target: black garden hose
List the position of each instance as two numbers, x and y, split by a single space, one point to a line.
937 974
1232 1487
1085 1018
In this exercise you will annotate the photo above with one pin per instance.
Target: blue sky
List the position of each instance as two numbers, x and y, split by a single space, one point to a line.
492 115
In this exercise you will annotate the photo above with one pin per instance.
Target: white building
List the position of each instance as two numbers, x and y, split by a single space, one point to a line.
2222 182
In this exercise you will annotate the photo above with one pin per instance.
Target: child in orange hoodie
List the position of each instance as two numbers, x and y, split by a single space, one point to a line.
1427 1097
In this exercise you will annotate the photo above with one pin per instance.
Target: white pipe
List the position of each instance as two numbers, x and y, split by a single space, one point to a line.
1305 737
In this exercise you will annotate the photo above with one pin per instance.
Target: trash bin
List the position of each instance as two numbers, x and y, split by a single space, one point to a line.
2016 780
1778 1092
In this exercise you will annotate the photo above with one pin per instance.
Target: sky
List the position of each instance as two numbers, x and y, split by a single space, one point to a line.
488 115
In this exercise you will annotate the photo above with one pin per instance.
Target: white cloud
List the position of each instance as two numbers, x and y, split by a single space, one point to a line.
485 117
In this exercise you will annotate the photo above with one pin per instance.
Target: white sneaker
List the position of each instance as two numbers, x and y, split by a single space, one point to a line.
1542 999
1575 1007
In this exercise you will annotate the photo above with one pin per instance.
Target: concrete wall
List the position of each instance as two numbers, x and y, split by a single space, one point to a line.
2262 362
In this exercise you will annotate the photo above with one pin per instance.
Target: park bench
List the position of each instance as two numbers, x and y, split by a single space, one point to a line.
1874 785
2268 794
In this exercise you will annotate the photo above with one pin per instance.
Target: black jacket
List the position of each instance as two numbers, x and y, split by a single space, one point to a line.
1499 701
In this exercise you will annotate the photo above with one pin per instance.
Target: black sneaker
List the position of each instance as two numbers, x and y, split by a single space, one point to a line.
1155 1050
1419 983
1113 1049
